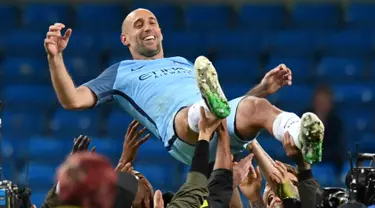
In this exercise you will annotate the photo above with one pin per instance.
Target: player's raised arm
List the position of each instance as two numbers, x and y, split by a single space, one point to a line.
69 96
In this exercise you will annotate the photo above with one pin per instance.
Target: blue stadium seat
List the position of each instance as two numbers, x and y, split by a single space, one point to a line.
354 95
47 149
166 14
234 44
237 70
100 16
349 42
70 124
8 17
367 143
273 147
29 97
208 17
300 66
40 175
356 121
82 69
40 16
38 198
185 44
360 15
262 16
233 91
153 148
339 69
325 174
117 124
111 43
116 59
312 15
292 42
21 42
82 42
21 124
286 98
110 147
25 70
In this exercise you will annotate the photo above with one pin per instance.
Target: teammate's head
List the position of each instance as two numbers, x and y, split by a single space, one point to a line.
323 99
145 193
269 196
142 34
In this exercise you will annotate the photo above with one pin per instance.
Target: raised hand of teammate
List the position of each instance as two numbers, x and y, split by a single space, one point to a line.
55 43
241 169
294 153
278 77
208 124
122 167
252 184
82 144
132 142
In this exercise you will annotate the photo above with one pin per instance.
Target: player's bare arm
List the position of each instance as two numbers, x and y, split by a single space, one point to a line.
69 96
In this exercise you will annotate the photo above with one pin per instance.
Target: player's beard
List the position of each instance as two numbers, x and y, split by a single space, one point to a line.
147 52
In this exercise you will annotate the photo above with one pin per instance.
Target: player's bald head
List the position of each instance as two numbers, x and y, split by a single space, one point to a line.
133 16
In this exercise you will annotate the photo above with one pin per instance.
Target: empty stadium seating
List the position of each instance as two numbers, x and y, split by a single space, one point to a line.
321 43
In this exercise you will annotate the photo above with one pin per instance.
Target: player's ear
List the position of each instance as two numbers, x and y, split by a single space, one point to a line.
124 39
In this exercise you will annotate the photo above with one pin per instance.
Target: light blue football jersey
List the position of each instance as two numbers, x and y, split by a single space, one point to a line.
151 91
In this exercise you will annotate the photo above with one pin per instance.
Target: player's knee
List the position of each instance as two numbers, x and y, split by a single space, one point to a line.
256 104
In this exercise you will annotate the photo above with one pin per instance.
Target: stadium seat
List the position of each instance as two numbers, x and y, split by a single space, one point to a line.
22 42
41 16
273 147
70 124
82 42
354 95
356 121
117 124
111 44
152 149
367 143
40 175
185 44
93 17
49 150
340 69
287 100
233 91
110 147
82 69
8 17
23 124
29 97
203 17
323 173
25 70
360 15
234 44
262 16
159 175
313 15
166 14
237 71
348 43
300 66
292 42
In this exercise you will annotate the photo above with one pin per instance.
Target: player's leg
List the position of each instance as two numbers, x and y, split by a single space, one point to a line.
307 132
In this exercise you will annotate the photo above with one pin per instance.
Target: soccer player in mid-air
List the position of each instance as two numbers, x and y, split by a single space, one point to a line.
165 94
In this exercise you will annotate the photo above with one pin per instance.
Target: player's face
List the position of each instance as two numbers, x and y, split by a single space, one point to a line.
144 34
271 199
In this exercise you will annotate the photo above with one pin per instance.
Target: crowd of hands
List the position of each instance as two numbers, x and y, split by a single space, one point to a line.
245 176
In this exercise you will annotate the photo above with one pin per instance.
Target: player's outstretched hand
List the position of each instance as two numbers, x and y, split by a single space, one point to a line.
241 169
207 124
294 153
55 43
278 77
132 142
81 144
252 184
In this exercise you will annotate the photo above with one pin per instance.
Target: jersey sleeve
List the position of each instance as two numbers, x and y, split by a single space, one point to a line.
102 86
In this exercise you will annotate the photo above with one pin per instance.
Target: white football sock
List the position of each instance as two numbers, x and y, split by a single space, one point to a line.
287 122
194 114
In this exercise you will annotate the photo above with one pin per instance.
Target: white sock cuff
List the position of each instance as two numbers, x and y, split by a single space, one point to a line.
194 114
284 122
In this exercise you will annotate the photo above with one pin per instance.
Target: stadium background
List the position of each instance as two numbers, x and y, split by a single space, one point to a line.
321 41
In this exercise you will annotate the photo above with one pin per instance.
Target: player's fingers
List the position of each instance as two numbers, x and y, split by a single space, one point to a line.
53 34
252 172
59 24
275 177
130 126
273 71
281 167
259 175
49 41
141 131
144 139
202 113
119 166
67 34
55 28
93 149
134 129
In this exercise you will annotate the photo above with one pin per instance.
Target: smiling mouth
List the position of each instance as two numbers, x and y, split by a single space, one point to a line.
150 37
